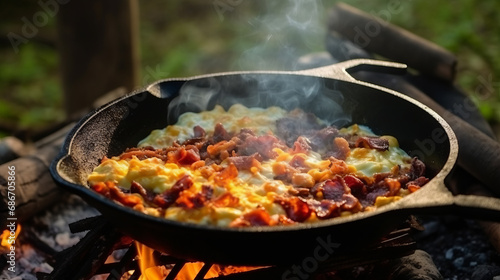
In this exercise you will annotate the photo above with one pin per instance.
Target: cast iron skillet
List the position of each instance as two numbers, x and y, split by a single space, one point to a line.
329 92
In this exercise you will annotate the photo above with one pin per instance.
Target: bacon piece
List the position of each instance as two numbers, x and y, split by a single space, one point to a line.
244 134
301 145
338 166
295 207
220 133
351 203
256 217
148 196
417 168
377 143
380 191
324 209
187 156
385 187
110 190
226 174
245 162
168 197
226 200
262 145
299 162
199 132
394 186
299 191
101 188
144 153
340 149
284 220
191 200
322 139
417 183
334 190
218 148
357 187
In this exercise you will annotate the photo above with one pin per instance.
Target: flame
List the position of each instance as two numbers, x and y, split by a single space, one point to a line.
6 237
152 271
147 264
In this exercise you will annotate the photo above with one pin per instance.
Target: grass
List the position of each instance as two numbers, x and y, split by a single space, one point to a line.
195 37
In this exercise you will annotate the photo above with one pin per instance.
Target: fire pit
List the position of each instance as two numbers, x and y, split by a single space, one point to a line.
71 240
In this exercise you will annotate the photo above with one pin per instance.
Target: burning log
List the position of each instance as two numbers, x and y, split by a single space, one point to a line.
373 34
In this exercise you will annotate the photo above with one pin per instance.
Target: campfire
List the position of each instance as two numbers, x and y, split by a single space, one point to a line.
63 237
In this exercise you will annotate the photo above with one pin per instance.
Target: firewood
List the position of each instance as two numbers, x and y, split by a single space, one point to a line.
34 188
11 148
372 34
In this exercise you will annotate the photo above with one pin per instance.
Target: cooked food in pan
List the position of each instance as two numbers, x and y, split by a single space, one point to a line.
258 167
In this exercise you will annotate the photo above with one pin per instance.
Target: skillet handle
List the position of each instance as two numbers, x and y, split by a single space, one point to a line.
435 198
341 70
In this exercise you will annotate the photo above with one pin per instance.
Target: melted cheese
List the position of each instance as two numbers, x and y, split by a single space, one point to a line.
256 188
260 120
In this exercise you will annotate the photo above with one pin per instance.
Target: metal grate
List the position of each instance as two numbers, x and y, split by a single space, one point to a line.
87 258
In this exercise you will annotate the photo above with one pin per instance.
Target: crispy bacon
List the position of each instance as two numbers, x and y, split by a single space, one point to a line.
218 148
357 187
199 132
377 143
245 162
168 197
191 200
226 175
333 190
351 203
220 133
298 162
226 200
323 138
110 190
262 145
417 169
145 153
301 145
340 149
186 155
148 196
324 209
417 183
256 217
295 207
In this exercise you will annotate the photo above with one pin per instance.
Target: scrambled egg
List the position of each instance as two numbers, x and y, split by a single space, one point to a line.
261 120
253 188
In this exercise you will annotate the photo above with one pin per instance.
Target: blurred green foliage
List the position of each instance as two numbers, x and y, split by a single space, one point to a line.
185 38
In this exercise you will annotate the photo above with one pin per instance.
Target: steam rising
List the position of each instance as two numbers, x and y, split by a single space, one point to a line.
287 91
285 35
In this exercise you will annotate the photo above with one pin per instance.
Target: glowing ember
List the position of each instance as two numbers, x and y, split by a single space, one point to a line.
10 237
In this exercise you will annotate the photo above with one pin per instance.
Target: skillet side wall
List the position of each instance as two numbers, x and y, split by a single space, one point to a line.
122 124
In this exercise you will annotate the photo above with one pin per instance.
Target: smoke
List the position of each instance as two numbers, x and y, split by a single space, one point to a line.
284 35
288 91
283 31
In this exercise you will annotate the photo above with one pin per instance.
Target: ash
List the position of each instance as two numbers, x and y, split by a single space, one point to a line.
459 248
46 234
